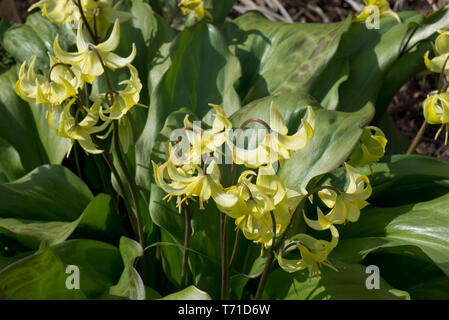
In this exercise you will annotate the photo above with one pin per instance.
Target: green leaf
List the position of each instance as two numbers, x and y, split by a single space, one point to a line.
130 284
39 276
219 9
279 57
99 263
47 193
349 283
189 293
36 37
335 136
10 165
202 71
422 225
24 126
100 221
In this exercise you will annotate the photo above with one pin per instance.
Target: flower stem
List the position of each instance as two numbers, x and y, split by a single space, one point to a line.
83 17
417 139
224 256
268 264
185 258
132 188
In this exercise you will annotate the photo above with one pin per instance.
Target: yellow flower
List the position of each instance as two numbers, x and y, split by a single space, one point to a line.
125 99
66 11
436 111
382 5
70 127
441 50
190 181
370 148
345 206
256 202
86 57
37 88
204 141
196 6
312 251
58 11
277 144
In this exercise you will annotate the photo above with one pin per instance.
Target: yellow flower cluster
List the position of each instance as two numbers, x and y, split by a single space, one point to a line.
255 205
68 11
344 207
381 5
436 105
73 72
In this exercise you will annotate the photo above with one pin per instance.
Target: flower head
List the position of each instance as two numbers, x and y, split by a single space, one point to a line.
38 88
188 6
345 206
436 111
370 148
124 100
441 50
313 251
87 57
277 144
70 127
381 5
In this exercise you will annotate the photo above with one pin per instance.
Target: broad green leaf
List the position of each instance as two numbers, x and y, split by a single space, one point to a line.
408 268
370 52
99 263
24 126
349 283
10 165
39 276
279 57
47 193
130 284
189 293
202 71
219 9
335 136
100 221
36 37
423 225
44 274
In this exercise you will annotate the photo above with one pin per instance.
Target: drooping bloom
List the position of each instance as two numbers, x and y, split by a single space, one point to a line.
345 206
313 251
124 100
67 11
58 11
37 88
441 50
196 6
381 5
436 111
86 57
258 202
277 144
201 142
70 127
190 181
370 148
